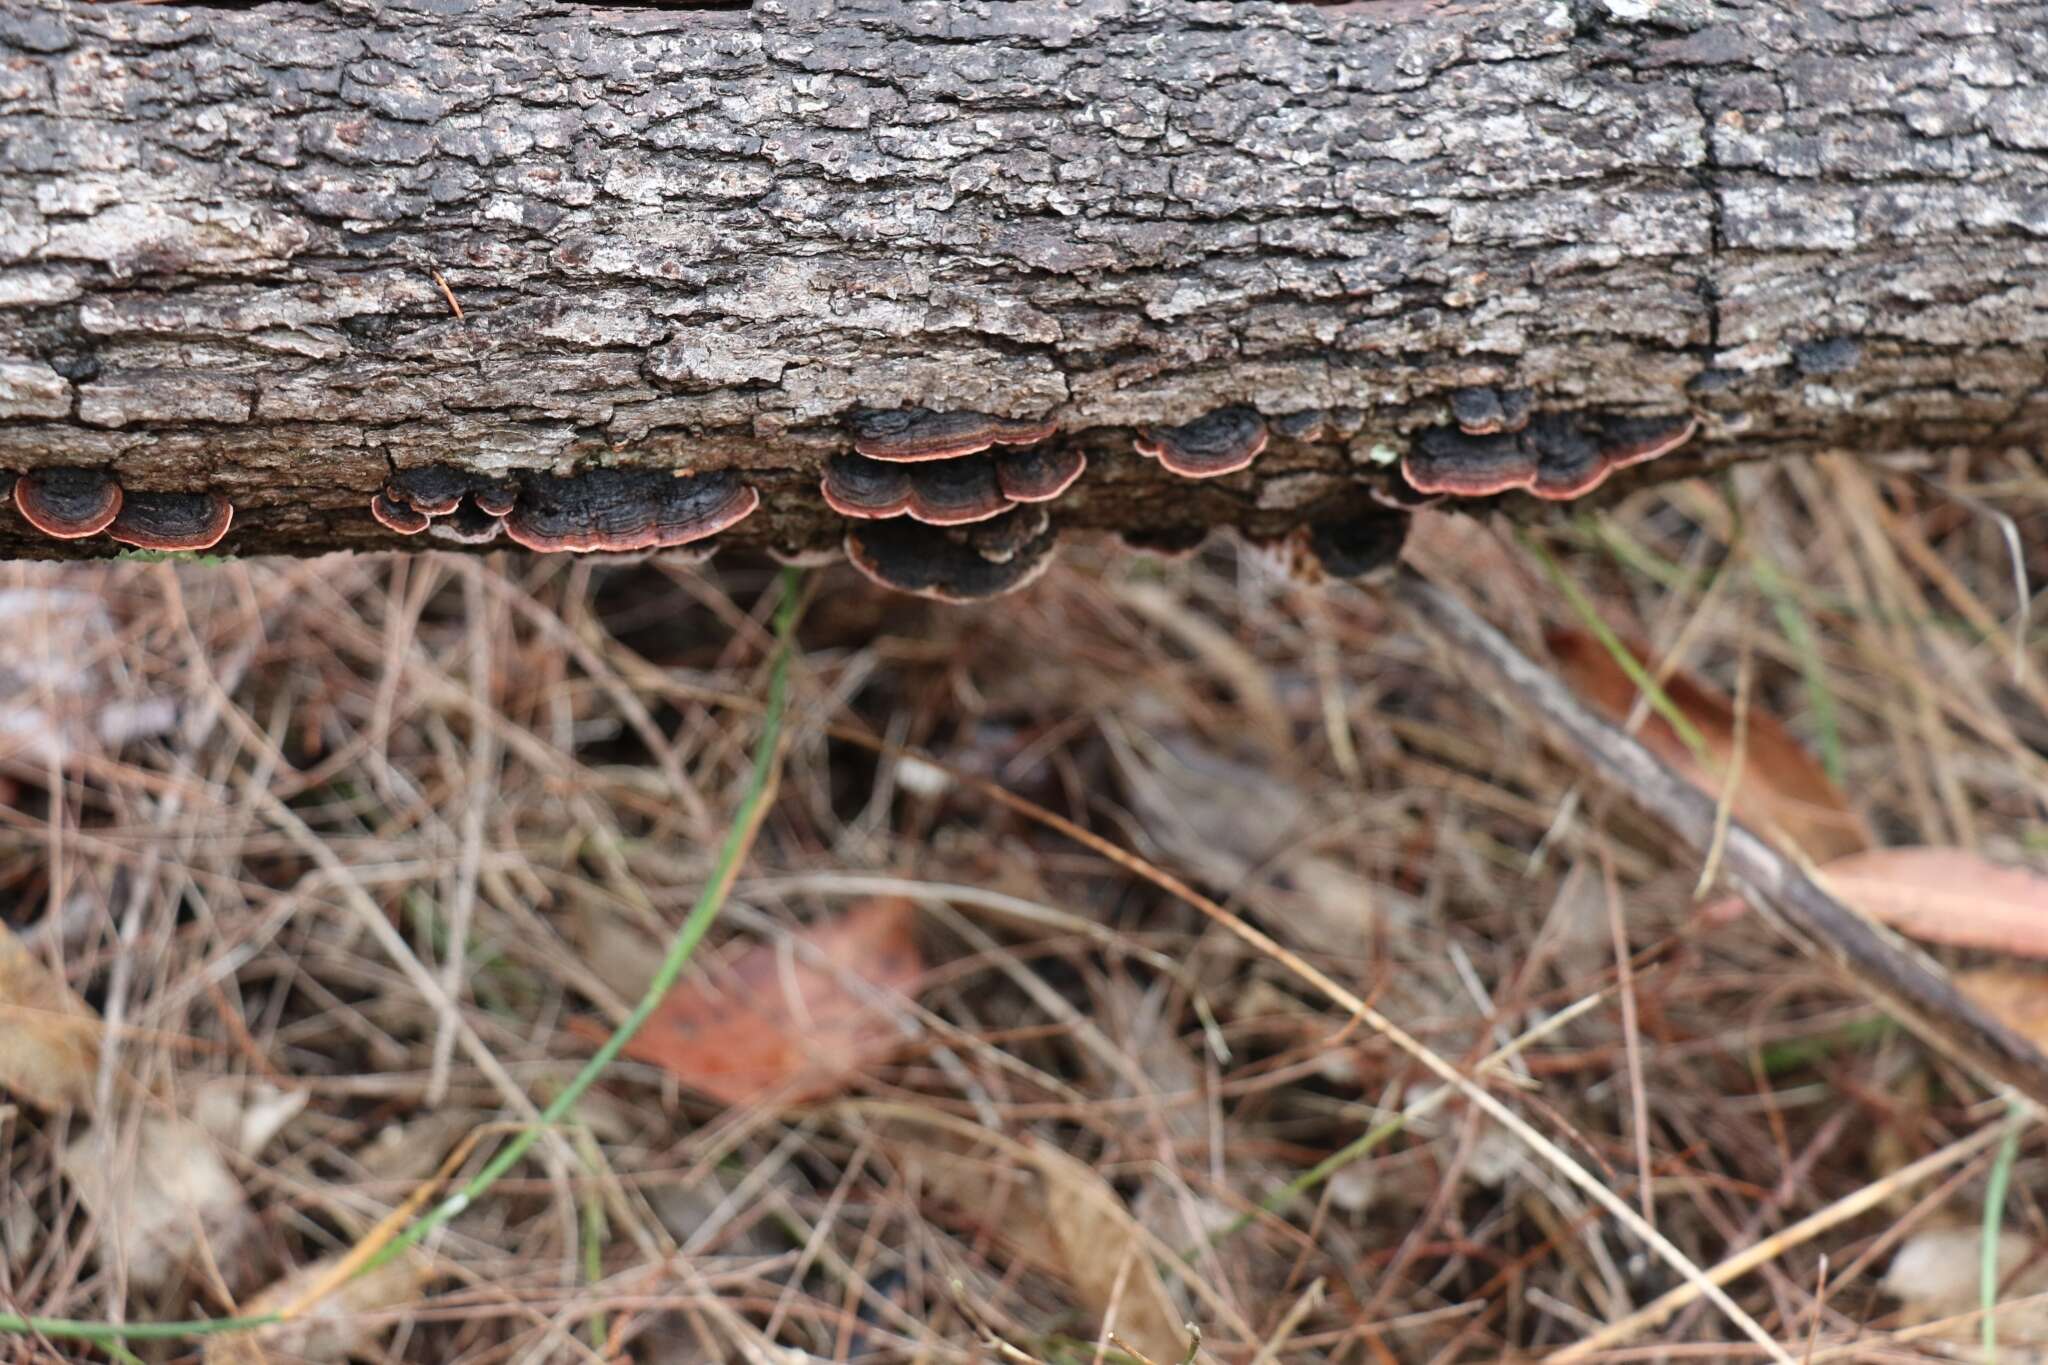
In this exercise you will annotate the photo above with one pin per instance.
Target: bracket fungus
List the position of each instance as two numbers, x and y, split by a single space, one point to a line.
413 499
1557 456
944 493
1038 473
1486 412
916 434
1220 442
172 521
398 516
68 504
959 564
627 509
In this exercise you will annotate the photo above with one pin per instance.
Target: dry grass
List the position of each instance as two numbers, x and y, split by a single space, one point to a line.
367 835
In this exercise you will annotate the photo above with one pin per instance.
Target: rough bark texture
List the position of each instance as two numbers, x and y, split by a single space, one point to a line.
703 238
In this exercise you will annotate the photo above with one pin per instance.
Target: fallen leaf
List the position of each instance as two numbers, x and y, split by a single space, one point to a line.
1106 1262
1780 785
2018 999
776 1023
1936 1275
49 1038
332 1330
1947 895
1060 1218
1940 895
156 1200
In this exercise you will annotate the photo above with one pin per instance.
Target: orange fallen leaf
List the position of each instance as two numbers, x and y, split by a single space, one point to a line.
1780 785
2017 998
774 1023
1939 895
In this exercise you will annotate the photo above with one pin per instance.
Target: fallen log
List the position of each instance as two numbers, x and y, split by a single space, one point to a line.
1257 265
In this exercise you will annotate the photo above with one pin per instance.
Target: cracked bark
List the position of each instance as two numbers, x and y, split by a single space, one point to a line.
697 239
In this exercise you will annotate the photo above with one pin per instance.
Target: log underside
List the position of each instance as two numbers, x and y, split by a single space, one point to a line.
712 239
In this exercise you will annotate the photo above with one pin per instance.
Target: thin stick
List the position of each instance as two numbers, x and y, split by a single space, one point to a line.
1875 960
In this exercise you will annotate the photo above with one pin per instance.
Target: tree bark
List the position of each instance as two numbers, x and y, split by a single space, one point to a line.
707 238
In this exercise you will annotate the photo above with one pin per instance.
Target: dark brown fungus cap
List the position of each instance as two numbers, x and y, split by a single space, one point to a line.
1038 474
68 504
956 492
1221 442
1446 461
1639 441
438 489
914 434
468 524
398 516
1477 412
1569 462
494 497
855 486
1312 425
967 564
1486 412
1357 546
626 509
172 521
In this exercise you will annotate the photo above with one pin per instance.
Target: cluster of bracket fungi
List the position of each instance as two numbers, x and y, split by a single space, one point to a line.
945 505
72 504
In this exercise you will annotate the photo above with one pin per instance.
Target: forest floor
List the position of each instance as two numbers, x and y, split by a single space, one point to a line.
319 880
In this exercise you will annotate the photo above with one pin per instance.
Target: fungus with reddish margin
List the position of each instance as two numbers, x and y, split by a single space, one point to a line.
941 493
917 434
1486 412
438 489
398 516
855 486
68 504
1446 461
172 521
622 510
1217 443
961 565
1038 474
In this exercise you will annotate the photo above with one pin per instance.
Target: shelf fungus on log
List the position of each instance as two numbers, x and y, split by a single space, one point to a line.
622 510
1557 456
414 499
939 493
68 504
1038 473
1485 411
956 564
172 521
1220 442
912 435
395 515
